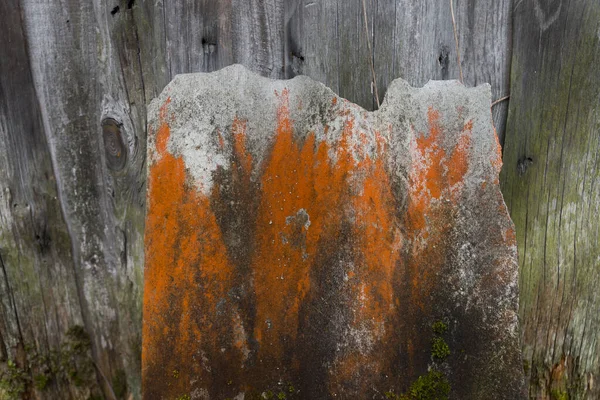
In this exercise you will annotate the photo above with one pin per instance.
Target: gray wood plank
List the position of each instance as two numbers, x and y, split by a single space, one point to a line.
38 292
384 43
312 41
551 185
354 65
79 75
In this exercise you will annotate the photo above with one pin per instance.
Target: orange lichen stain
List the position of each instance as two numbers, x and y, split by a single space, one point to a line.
435 185
458 165
377 235
307 197
376 253
221 140
239 144
434 172
187 275
497 161
510 237
163 110
354 376
163 133
300 197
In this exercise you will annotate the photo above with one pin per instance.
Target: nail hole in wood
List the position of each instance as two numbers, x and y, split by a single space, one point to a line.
523 164
444 61
209 47
298 56
114 10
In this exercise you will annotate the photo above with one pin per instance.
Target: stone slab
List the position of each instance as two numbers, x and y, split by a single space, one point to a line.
300 246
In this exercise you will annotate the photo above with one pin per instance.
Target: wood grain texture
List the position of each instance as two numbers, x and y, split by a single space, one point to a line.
74 64
79 78
39 302
551 186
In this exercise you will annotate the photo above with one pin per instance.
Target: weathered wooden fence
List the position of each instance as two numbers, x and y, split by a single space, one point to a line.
75 79
550 182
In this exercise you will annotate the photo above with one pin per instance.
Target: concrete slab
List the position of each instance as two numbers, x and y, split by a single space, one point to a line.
299 246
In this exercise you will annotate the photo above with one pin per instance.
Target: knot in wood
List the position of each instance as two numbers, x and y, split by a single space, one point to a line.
115 149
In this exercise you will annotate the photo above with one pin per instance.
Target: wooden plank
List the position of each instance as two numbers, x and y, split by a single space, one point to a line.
354 55
38 301
550 183
197 38
258 35
327 41
79 75
312 41
384 43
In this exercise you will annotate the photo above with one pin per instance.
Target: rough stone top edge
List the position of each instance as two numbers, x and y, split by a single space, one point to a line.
197 97
397 87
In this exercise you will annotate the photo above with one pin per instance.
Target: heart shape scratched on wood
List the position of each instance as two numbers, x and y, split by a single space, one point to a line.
298 246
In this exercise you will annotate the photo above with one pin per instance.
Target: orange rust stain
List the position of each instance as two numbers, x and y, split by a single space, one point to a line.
306 197
376 253
301 194
187 274
239 142
497 161
435 184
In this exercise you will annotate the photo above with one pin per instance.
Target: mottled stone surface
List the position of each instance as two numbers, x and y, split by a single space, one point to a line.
297 244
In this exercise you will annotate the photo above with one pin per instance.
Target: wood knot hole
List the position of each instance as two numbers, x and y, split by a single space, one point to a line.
115 149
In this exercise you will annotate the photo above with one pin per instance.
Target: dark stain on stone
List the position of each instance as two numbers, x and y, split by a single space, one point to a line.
234 202
323 312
